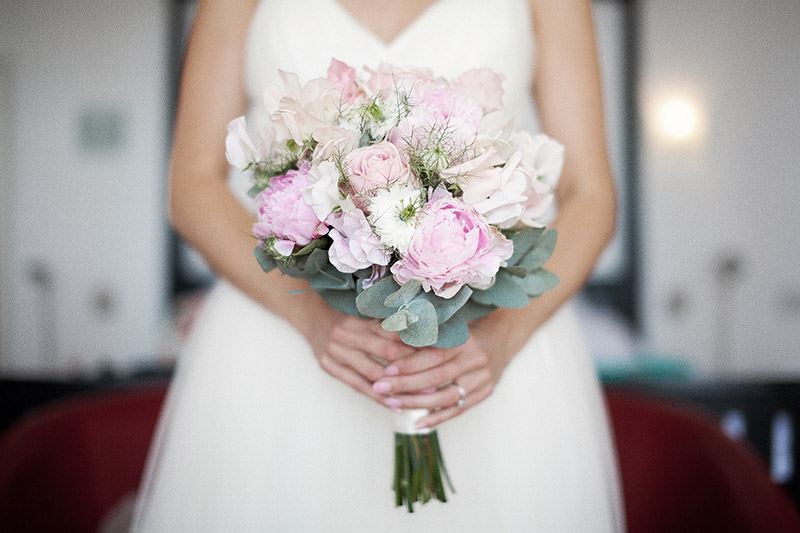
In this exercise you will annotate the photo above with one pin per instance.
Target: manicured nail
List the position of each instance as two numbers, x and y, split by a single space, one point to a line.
394 403
420 425
391 370
381 386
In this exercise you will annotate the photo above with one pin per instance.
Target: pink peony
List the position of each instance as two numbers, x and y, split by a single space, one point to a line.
354 246
453 246
284 215
375 166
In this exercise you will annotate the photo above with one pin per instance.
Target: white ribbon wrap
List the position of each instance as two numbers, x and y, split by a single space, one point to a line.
405 420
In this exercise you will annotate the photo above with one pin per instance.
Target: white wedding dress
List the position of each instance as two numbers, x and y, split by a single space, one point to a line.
254 436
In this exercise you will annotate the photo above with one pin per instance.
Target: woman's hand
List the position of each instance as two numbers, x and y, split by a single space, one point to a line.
354 350
430 377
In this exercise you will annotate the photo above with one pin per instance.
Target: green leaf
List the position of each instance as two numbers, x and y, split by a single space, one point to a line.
506 292
539 255
472 310
447 307
344 301
523 241
404 294
370 302
313 245
330 278
425 331
539 281
454 332
516 270
399 321
264 259
316 261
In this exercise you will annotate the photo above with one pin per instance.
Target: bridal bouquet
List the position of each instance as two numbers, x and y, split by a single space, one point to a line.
404 197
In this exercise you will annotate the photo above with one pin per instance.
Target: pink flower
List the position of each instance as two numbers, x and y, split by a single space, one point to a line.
283 214
354 246
494 186
387 79
375 166
344 77
435 105
453 246
484 86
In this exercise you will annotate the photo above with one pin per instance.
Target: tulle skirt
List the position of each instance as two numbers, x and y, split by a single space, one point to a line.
255 436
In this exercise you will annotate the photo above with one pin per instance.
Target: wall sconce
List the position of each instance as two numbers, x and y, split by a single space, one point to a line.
678 120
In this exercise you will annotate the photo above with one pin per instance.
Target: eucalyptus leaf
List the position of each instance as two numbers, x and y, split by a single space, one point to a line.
447 307
370 302
425 331
316 261
399 321
344 301
266 262
454 332
506 292
472 310
539 255
539 281
404 294
330 278
523 241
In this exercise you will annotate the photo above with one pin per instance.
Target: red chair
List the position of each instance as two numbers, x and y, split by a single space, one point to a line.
681 473
65 466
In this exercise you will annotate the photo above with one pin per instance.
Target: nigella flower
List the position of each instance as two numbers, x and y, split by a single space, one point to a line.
394 213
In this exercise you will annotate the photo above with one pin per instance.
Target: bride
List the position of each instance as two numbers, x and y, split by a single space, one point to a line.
278 417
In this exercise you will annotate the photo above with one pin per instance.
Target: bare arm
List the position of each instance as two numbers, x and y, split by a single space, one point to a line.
207 215
569 97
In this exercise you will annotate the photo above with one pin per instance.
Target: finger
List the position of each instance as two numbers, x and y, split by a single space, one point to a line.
349 377
419 361
363 339
433 377
434 419
445 397
356 360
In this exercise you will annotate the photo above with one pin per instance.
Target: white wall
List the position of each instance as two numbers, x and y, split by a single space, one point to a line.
736 187
94 219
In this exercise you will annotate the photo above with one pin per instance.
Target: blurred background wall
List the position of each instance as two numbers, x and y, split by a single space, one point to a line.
721 235
85 107
708 174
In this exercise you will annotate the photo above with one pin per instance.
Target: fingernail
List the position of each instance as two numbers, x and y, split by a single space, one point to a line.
391 370
429 391
381 386
394 403
420 425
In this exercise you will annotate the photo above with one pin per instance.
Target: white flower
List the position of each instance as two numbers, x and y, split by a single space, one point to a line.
241 148
394 213
323 192
542 156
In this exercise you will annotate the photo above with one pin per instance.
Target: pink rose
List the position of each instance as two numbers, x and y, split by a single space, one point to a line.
354 246
284 215
375 166
453 246
344 77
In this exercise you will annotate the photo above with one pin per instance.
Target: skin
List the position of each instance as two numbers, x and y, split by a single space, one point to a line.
357 351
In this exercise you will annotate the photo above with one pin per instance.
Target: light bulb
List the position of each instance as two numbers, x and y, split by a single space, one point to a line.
678 119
